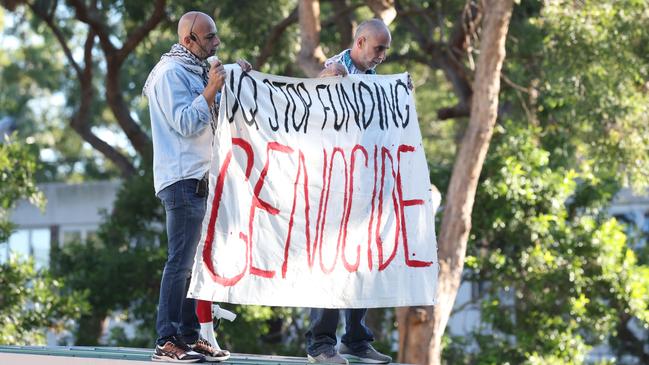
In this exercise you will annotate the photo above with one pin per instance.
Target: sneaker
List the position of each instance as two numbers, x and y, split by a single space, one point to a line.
368 355
211 353
175 350
328 357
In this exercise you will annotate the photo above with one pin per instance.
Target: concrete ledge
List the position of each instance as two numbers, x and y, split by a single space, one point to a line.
78 355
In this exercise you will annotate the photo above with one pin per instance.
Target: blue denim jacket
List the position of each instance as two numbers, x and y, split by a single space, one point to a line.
180 125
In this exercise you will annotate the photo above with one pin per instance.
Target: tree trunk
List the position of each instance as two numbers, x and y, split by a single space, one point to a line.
80 121
91 328
311 57
274 35
345 25
138 138
115 57
421 328
383 9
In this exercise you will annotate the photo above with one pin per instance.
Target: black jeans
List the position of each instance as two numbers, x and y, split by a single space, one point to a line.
321 335
185 210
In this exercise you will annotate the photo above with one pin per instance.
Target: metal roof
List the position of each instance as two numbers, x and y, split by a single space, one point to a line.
66 355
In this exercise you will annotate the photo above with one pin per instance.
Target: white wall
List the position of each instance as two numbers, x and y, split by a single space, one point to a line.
68 205
73 211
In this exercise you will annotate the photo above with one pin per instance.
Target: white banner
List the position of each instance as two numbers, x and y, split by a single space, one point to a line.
319 196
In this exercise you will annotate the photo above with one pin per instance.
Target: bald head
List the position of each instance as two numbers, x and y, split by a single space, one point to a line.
195 18
371 43
197 32
372 27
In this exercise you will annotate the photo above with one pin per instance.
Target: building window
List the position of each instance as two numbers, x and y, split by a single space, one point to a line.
25 243
71 236
19 243
40 247
91 235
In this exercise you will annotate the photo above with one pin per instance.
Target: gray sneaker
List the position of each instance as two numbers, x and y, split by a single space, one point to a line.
328 357
368 355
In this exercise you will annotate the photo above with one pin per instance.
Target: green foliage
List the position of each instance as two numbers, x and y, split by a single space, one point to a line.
560 277
264 330
121 269
244 26
594 86
31 301
558 281
17 168
39 92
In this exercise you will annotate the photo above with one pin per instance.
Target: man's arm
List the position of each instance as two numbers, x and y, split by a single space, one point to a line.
245 65
333 69
217 78
186 113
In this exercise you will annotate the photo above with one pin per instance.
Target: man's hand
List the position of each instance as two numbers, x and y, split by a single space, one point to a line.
215 81
334 69
245 65
410 84
216 76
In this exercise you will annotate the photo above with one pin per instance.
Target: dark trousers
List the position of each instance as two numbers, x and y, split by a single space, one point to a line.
321 335
185 211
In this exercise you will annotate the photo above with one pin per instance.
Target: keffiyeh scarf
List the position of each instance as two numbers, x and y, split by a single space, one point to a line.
181 55
345 58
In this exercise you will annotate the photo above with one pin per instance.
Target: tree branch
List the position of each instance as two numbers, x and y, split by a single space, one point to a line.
80 121
48 18
384 9
460 110
114 60
447 61
274 35
140 140
311 57
410 56
142 31
53 6
421 13
339 13
467 304
466 25
344 23
423 38
92 17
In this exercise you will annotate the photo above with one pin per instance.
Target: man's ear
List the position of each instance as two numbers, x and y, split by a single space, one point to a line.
360 41
186 40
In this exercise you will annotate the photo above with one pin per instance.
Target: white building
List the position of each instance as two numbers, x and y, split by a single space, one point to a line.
72 213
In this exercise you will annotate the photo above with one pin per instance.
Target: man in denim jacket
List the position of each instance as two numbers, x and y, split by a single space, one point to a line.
183 93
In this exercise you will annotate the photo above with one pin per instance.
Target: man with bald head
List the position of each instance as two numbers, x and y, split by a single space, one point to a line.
371 42
183 93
